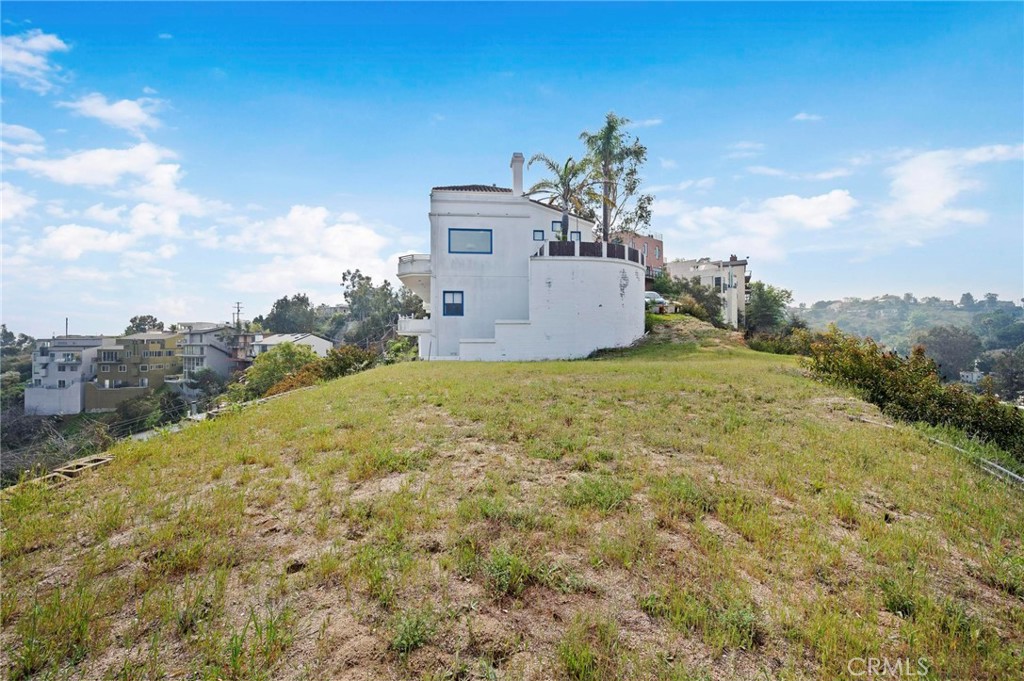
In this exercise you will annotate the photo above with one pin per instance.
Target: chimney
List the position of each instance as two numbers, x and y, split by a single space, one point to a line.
517 173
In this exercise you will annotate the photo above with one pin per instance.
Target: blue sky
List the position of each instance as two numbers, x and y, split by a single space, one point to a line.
172 159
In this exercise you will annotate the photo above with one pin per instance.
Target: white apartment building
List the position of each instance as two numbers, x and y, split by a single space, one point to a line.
224 348
728 277
60 368
498 285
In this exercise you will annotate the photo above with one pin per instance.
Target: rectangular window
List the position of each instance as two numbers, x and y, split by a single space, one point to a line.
143 367
108 356
122 368
104 368
718 283
470 241
575 236
645 249
62 367
452 304
62 383
657 252
538 235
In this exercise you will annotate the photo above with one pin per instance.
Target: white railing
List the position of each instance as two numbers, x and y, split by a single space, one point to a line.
410 326
417 263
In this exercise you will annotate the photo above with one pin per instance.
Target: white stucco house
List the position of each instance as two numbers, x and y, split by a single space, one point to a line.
60 368
498 285
318 344
728 277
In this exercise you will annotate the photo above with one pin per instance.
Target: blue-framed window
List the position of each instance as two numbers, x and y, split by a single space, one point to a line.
556 225
575 236
538 235
470 241
451 304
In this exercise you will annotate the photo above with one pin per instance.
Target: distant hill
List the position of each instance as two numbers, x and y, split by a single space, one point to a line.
686 509
894 321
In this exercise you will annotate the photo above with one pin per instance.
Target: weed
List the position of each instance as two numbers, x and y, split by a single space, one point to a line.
603 493
590 650
506 573
411 629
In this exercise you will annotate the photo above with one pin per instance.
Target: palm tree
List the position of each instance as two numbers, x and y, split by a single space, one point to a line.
568 188
616 156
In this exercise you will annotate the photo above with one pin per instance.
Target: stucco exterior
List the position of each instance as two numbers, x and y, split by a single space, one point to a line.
728 277
509 294
61 367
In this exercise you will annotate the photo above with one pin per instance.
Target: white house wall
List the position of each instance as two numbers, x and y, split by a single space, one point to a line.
577 305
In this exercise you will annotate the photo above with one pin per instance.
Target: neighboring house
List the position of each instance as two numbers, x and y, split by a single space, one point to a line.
223 348
320 345
972 377
728 277
651 246
131 367
498 285
61 366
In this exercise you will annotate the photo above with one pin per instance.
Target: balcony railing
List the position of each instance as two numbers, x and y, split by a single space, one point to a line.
409 326
585 249
417 263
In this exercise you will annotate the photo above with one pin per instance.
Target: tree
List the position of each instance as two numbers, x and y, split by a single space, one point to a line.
617 157
766 311
967 301
1009 374
374 310
291 315
207 382
274 365
953 348
568 188
6 337
143 323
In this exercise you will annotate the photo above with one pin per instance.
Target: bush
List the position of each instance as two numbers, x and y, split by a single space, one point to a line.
910 389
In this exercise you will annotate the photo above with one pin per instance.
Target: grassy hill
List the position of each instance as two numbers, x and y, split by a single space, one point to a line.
690 509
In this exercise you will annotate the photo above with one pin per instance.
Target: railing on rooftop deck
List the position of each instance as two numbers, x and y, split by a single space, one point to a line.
587 249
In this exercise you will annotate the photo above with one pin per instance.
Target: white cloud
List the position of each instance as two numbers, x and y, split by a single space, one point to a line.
56 209
804 116
14 203
165 36
69 242
700 185
99 213
98 167
25 58
645 123
127 114
20 133
923 187
769 171
311 248
765 170
744 149
668 164
22 149
756 228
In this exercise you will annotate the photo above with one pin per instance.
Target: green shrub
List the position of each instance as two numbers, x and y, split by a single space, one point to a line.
909 389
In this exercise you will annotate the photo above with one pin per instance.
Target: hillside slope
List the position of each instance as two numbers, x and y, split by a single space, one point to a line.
688 509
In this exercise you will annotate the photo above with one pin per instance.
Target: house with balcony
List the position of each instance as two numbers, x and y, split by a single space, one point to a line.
728 277
318 344
651 246
131 367
61 366
224 348
499 285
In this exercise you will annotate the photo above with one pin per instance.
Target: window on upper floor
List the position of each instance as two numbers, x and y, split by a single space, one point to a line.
556 225
452 304
645 249
538 235
122 368
62 383
575 236
62 367
143 367
657 251
470 241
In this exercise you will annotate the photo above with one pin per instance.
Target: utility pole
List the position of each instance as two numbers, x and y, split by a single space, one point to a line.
238 316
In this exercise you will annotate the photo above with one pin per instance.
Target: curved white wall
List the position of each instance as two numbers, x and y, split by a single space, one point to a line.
576 305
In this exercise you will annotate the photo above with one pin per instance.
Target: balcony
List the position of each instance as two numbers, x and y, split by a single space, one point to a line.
408 326
414 273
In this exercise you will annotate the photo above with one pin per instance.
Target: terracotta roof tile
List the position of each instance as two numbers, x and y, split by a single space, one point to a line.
475 188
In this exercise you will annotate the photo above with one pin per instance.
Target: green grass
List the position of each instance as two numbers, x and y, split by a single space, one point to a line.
674 511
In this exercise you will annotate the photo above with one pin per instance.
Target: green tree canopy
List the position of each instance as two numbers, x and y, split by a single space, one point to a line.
569 187
143 323
374 310
291 315
1009 374
617 157
766 309
275 364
